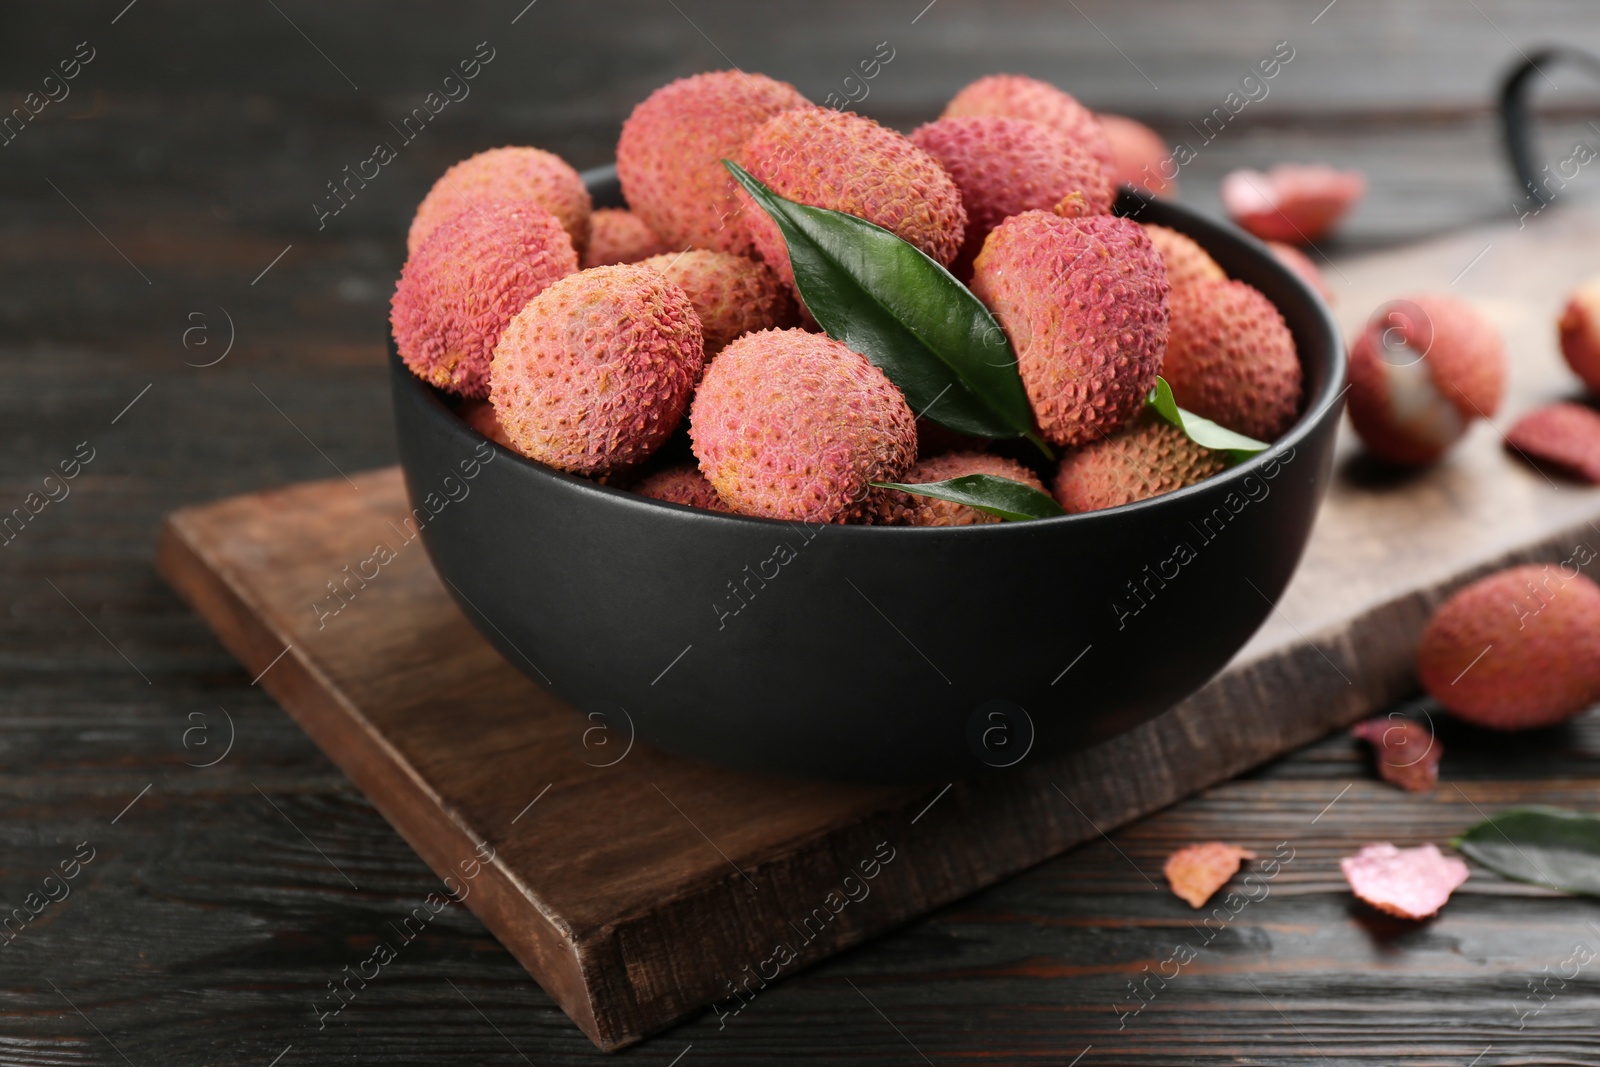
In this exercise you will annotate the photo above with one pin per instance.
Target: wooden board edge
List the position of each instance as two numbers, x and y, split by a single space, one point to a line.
544 948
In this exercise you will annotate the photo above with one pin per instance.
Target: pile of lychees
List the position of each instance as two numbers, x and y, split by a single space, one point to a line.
596 336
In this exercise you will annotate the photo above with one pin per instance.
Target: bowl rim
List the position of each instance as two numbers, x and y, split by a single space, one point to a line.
1318 408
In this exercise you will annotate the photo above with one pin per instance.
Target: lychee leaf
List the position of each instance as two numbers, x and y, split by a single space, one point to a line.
1202 431
897 306
1552 847
988 493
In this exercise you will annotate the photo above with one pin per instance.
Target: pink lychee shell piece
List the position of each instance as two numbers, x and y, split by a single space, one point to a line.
1412 883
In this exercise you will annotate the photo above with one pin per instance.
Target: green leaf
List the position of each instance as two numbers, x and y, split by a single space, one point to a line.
988 493
1547 846
1201 431
898 307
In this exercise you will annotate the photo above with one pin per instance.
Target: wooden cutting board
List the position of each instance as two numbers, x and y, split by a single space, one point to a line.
638 887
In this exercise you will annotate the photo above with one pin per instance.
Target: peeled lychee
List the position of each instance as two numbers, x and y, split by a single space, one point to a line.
895 508
466 281
1145 458
793 425
1580 333
1291 202
1138 155
842 161
1516 650
669 158
618 236
1300 263
1420 372
1084 302
595 373
682 484
1185 260
1004 167
506 174
1232 359
1019 97
732 295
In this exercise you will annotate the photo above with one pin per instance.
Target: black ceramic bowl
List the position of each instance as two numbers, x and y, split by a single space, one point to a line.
877 654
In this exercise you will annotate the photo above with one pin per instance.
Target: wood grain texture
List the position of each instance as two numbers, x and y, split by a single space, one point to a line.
209 925
641 891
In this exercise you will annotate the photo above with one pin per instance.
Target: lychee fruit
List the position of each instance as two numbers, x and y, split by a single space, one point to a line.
1232 359
794 425
1147 457
1138 155
595 373
1517 650
466 281
1564 436
895 508
732 295
1185 260
1300 263
670 155
619 236
506 174
682 483
1084 303
839 160
1019 97
1580 333
1292 202
1420 371
1004 167
479 414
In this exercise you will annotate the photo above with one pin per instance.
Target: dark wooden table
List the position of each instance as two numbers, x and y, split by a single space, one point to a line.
166 207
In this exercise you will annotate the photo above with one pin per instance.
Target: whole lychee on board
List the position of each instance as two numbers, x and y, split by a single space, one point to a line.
1580 333
682 484
1006 166
466 281
1084 302
732 295
1019 97
793 425
1420 372
1516 650
1231 358
619 236
506 174
842 161
596 372
893 507
1147 457
669 157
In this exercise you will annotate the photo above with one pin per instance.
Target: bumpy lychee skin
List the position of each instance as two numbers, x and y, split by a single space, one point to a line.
682 484
1420 372
1145 458
1139 157
1084 302
1019 97
1516 650
506 174
670 156
466 281
842 161
1580 333
595 373
895 508
731 294
619 236
1185 260
1232 359
793 425
1565 436
1292 202
1004 167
